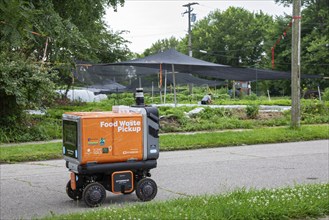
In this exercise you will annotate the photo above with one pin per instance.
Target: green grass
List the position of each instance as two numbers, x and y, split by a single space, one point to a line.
170 142
254 136
299 202
30 152
48 127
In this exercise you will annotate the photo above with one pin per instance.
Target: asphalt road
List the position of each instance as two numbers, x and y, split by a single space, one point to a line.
37 189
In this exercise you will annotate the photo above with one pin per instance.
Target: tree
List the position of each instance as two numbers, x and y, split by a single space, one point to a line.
40 37
28 24
314 42
23 84
234 37
161 45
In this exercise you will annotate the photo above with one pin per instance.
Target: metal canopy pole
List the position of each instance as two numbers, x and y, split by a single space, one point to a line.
174 82
152 90
165 88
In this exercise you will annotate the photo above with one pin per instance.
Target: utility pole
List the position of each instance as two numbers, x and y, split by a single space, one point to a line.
189 10
295 65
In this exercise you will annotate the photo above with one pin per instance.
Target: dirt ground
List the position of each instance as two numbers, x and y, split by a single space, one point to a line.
269 115
171 121
261 115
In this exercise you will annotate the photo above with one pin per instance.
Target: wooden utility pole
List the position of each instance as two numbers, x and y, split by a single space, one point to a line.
295 65
188 11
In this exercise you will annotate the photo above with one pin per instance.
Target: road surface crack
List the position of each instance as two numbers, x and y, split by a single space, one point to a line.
44 164
248 155
177 193
24 181
31 185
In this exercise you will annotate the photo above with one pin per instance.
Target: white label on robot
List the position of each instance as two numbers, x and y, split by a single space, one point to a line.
123 126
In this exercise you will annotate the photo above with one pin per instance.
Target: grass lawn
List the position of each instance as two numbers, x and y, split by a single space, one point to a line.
299 202
248 137
170 142
30 152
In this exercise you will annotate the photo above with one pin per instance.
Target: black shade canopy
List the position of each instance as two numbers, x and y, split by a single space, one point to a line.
250 74
105 79
181 79
168 58
186 64
128 73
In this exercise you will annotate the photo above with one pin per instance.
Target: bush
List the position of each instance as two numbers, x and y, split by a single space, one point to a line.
252 111
24 85
222 97
314 109
253 96
33 129
325 95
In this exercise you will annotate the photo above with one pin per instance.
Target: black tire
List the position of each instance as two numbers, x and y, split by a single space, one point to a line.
73 194
146 189
94 194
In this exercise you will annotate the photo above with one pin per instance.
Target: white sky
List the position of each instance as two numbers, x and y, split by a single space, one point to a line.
150 20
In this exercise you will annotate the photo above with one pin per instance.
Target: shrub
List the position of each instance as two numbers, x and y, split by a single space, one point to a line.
222 96
252 111
325 95
253 96
24 85
314 108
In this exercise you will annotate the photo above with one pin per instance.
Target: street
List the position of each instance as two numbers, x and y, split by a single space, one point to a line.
36 189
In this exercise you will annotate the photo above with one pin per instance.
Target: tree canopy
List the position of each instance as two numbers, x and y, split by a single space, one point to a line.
234 37
161 45
314 41
41 37
238 37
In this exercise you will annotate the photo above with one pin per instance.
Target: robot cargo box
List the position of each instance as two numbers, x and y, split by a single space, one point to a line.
109 137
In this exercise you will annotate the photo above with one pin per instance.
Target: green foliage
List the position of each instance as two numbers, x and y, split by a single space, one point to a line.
83 36
315 108
291 202
220 97
249 37
325 95
172 119
32 152
252 111
161 45
211 113
41 38
32 129
171 142
314 41
23 84
241 42
254 136
252 96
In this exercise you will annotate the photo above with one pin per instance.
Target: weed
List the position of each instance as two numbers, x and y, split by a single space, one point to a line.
49 126
182 142
252 111
325 95
298 202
